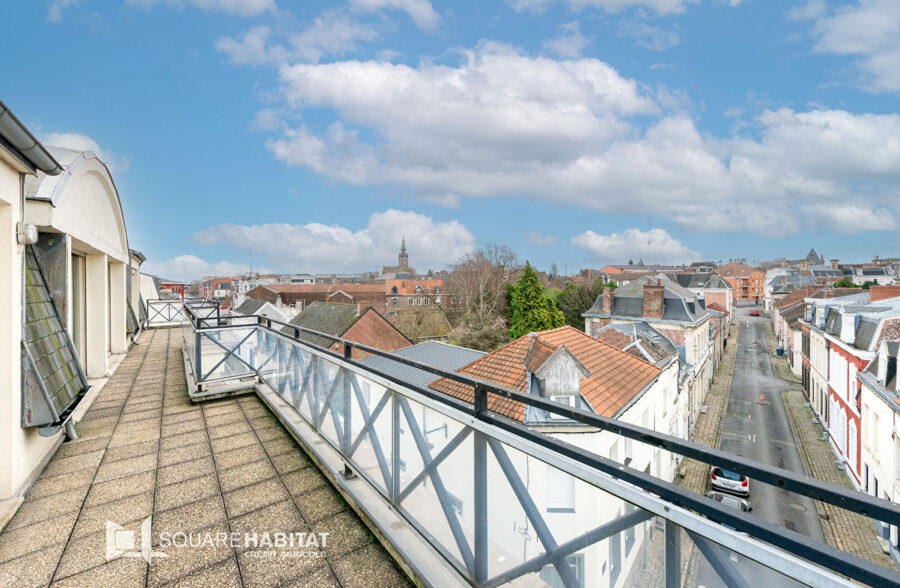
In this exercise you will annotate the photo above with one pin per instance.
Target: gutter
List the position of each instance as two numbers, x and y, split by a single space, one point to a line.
14 132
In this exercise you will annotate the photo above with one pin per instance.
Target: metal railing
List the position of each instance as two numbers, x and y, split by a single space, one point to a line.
502 502
170 312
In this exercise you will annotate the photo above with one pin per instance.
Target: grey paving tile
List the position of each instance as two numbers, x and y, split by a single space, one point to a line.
121 573
93 519
224 419
65 465
239 457
369 567
34 569
184 559
79 447
32 538
282 517
184 453
125 467
49 485
259 568
190 517
254 496
191 490
251 473
291 461
190 426
89 551
221 407
280 446
35 510
302 481
119 488
222 575
321 578
345 533
182 471
132 450
320 504
230 430
125 435
273 433
183 439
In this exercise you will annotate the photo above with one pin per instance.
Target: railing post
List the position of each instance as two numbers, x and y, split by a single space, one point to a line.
395 446
480 492
197 354
673 556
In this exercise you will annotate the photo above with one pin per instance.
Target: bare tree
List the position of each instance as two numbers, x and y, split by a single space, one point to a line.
477 282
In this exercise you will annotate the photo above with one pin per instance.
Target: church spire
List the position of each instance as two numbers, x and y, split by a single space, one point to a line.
403 247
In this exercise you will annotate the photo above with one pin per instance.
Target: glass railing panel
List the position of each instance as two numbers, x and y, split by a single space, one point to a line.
371 430
226 353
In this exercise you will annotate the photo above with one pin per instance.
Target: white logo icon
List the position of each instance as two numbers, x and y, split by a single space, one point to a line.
120 543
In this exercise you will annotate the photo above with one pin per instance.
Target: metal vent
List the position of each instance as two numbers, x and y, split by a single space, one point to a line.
53 381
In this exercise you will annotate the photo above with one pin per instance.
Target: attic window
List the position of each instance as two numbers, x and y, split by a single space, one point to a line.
569 400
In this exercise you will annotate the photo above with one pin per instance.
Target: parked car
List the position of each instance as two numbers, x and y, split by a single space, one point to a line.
730 501
728 481
754 313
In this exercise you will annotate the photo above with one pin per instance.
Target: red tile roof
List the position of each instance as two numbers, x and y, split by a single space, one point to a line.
617 339
736 270
797 296
616 376
715 306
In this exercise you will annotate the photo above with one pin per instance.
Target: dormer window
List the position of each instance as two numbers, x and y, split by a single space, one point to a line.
569 400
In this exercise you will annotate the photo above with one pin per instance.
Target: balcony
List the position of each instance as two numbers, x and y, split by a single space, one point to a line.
233 425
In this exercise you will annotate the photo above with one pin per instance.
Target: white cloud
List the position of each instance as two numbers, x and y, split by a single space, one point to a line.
575 131
234 7
530 6
570 42
538 238
55 12
331 33
653 246
80 142
868 30
191 267
317 247
853 218
421 12
646 35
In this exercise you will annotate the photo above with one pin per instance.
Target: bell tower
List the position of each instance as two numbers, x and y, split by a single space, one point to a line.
403 258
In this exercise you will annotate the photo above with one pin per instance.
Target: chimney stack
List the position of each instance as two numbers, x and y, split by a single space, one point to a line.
609 297
834 264
804 264
653 299
877 293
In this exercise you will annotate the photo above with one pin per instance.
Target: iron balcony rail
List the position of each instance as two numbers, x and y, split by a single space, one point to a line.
162 312
203 326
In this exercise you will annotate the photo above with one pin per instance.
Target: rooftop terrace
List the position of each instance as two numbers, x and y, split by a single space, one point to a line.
223 466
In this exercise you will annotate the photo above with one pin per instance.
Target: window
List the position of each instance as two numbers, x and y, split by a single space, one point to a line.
550 576
560 491
570 400
615 558
629 532
427 301
409 301
393 302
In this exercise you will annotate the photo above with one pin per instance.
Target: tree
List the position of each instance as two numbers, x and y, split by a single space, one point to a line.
844 283
554 271
530 310
477 283
577 299
867 284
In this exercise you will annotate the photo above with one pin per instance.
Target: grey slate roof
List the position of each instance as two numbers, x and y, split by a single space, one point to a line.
679 303
250 306
653 345
440 355
865 332
326 317
705 280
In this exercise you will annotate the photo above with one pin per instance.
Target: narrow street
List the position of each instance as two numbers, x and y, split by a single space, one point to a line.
756 426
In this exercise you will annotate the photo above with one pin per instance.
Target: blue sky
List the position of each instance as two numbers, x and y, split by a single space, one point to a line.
311 136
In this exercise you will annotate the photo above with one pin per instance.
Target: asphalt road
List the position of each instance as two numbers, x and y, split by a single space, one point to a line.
761 431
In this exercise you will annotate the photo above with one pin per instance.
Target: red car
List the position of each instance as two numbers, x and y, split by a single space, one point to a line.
754 313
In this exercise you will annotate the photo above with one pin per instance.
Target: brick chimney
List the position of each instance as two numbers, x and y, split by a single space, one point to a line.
653 299
804 264
834 263
877 293
609 297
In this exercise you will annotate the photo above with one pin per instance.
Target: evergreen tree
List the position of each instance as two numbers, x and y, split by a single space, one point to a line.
530 309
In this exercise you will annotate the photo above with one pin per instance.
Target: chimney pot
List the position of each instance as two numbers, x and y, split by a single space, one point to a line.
653 301
834 264
608 299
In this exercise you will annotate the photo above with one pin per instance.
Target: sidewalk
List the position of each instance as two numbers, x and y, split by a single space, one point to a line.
848 531
695 477
780 364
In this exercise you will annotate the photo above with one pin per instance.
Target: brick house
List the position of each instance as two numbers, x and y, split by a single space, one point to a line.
354 322
748 283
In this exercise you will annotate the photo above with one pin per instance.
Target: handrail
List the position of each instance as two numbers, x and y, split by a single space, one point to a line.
786 539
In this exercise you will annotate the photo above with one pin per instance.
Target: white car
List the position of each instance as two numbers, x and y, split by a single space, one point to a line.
728 481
